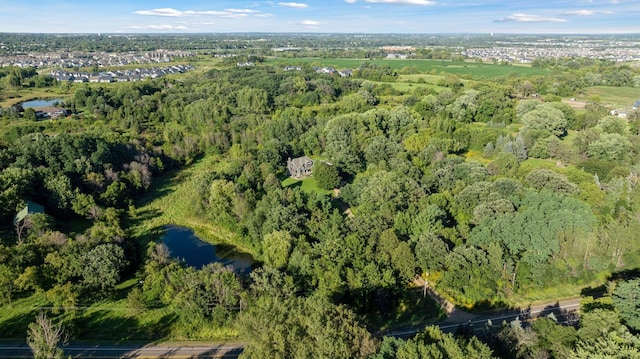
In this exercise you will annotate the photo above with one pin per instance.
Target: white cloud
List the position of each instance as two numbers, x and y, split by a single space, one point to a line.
586 12
233 15
529 18
403 2
158 27
580 12
243 11
161 12
310 23
295 5
350 1
170 12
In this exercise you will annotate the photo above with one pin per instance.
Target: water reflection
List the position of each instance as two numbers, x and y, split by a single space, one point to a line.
183 244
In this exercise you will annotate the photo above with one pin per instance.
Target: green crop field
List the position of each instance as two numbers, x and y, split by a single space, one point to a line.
435 67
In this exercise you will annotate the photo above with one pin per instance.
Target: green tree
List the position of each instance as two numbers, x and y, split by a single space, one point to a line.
543 178
62 296
545 118
7 287
276 248
29 114
471 273
433 343
431 252
626 299
326 175
619 344
101 266
302 328
610 147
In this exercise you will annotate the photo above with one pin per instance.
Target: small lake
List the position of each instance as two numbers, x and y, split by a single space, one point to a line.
40 103
183 244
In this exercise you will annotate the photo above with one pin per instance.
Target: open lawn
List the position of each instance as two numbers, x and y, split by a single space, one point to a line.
308 185
434 67
616 96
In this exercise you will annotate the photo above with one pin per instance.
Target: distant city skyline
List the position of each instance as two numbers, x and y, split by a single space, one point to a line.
331 16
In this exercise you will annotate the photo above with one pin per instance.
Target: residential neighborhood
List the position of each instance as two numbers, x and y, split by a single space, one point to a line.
119 75
80 59
526 52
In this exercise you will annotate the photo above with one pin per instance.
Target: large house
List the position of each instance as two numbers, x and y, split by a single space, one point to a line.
300 167
51 112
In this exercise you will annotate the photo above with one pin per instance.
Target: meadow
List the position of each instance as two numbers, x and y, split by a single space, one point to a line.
433 67
618 96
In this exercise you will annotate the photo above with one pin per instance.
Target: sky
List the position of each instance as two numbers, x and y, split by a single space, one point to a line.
318 16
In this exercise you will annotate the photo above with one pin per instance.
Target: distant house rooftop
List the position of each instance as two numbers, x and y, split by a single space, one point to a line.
30 208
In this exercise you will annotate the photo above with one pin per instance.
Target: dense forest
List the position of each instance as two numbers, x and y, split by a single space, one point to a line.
491 190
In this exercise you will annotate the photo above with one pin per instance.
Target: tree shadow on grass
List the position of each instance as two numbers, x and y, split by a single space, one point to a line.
159 329
106 324
17 325
122 327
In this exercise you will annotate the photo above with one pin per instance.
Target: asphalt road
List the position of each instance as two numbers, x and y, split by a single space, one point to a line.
21 350
564 311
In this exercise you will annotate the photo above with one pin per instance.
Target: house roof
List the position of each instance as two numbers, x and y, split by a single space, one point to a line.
302 161
30 208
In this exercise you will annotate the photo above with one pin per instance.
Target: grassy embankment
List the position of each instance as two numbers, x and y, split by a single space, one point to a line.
172 199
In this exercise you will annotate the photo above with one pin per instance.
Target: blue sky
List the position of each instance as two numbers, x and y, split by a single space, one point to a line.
362 16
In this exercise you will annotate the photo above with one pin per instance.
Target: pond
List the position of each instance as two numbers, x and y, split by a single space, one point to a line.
183 244
37 103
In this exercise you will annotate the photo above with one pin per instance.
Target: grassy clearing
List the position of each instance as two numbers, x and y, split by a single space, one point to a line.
434 67
205 63
406 87
171 201
431 79
309 185
564 290
111 319
616 96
